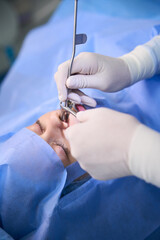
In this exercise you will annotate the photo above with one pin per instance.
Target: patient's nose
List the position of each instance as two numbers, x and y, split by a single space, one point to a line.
56 122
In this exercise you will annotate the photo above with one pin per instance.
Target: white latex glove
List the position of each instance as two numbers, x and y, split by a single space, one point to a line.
81 98
144 154
107 73
101 141
92 71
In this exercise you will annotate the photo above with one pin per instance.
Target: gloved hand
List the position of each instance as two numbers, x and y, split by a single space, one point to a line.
92 71
107 73
101 142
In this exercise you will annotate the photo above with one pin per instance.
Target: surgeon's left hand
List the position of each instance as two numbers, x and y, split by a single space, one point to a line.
101 142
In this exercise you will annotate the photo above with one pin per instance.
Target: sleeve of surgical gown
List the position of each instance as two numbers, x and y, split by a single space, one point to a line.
144 155
144 61
31 180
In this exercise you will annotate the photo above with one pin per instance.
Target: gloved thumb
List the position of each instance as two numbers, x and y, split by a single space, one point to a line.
83 116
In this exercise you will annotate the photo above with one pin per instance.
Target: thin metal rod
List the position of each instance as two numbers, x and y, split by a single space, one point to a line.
74 35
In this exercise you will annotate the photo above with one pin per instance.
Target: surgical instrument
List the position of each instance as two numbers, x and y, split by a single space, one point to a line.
68 105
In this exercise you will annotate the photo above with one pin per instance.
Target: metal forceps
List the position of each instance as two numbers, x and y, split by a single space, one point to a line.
70 105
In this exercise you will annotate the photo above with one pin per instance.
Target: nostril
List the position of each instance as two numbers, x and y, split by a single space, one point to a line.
64 116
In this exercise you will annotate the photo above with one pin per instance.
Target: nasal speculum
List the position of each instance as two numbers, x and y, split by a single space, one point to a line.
69 106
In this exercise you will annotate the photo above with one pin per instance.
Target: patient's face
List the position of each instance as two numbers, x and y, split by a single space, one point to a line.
51 127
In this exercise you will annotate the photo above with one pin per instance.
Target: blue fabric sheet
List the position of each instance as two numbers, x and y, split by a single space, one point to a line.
34 203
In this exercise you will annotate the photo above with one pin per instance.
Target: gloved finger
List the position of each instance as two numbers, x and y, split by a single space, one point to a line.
60 78
85 99
75 97
83 81
75 143
63 72
91 114
83 116
81 98
70 134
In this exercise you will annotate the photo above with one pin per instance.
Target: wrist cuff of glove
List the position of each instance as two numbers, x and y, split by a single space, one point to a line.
144 61
144 155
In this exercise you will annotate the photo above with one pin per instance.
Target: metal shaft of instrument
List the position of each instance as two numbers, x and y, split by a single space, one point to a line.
74 36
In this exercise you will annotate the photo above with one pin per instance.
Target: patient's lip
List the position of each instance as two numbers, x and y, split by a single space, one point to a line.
73 120
80 107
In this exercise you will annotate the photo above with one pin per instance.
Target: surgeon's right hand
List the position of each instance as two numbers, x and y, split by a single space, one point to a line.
91 70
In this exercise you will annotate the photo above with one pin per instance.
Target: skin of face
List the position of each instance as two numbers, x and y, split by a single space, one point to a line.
51 129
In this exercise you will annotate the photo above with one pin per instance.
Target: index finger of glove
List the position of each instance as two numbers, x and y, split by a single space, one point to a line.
61 78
